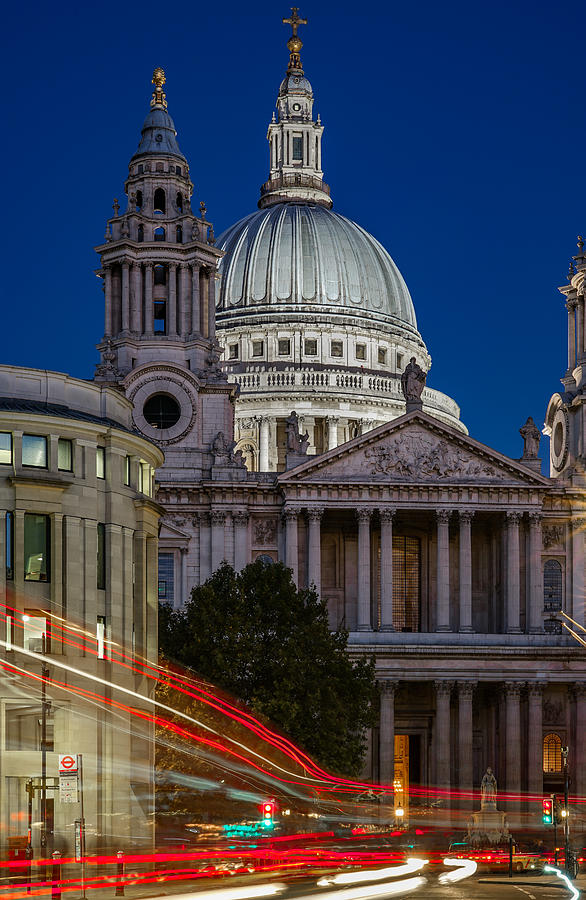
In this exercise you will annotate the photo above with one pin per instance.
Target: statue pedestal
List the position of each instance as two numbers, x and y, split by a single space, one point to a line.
294 459
488 826
413 406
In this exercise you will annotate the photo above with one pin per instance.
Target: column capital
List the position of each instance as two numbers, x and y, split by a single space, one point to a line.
535 518
125 264
535 688
443 688
218 516
466 688
290 513
172 264
240 516
513 688
202 517
364 513
465 516
579 690
387 513
387 686
332 420
579 523
514 516
315 513
443 516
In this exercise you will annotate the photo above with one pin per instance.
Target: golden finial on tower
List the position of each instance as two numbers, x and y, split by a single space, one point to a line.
159 98
295 43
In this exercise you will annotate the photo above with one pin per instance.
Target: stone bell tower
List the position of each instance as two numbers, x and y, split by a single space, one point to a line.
158 265
565 421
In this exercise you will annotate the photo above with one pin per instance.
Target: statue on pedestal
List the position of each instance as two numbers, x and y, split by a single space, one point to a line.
488 825
296 443
488 790
412 384
531 437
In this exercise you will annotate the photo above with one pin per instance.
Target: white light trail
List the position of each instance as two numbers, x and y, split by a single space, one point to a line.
412 865
239 893
571 887
466 868
379 891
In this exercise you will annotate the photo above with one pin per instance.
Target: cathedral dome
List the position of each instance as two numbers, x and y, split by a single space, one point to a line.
303 258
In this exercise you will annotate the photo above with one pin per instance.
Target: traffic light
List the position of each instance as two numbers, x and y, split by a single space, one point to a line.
268 812
547 817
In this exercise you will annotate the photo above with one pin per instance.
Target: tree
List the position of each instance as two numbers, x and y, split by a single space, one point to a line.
257 636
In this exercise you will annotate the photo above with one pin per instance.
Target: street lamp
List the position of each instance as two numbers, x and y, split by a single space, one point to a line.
399 814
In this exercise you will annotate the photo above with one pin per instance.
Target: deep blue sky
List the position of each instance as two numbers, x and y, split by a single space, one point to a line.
455 133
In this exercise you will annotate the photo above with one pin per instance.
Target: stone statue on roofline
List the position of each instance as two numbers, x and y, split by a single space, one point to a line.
412 384
531 437
296 443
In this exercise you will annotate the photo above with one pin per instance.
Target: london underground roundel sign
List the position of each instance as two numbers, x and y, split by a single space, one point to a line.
67 762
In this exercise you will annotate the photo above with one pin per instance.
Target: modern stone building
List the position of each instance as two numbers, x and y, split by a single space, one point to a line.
78 547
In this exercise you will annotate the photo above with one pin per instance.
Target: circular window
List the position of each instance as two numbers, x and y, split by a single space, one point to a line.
161 411
558 439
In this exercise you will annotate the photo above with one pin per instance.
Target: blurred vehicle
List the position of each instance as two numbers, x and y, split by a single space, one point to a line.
496 858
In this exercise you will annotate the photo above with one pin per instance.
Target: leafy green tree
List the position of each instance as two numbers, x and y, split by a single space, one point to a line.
257 636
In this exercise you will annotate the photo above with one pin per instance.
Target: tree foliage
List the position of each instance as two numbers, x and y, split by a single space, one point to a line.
257 636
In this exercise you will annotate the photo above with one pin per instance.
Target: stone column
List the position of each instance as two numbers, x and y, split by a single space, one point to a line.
291 553
205 546
578 602
181 596
108 300
387 732
513 736
386 568
148 299
314 515
194 299
443 570
125 297
184 299
203 301
136 299
443 691
513 594
466 570
263 444
535 605
465 698
535 738
212 304
571 307
580 328
332 422
173 317
73 582
240 517
218 518
579 690
364 618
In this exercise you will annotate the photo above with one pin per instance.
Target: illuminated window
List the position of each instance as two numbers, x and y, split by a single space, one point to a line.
37 543
284 347
34 451
406 583
5 448
9 546
159 203
160 274
258 348
297 148
382 355
65 455
23 726
552 586
101 462
101 637
233 351
159 234
101 558
160 316
9 632
336 349
552 753
360 351
34 627
310 347
144 478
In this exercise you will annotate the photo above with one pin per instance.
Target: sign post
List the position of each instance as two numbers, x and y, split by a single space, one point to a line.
71 791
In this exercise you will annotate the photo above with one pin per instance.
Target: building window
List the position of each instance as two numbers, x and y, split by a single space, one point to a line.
310 347
37 545
160 316
5 448
382 356
360 351
160 274
159 166
9 546
140 236
258 348
399 361
101 462
167 578
23 724
161 411
34 451
336 348
101 637
127 471
179 202
297 148
101 558
178 170
159 234
179 234
144 478
552 586
36 626
138 201
9 632
233 351
65 455
406 583
140 169
284 347
552 753
159 203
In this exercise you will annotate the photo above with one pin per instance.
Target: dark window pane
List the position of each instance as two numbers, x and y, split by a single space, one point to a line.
37 534
159 234
161 411
140 236
297 148
160 317
167 577
552 586
160 275
9 549
159 201
406 583
101 560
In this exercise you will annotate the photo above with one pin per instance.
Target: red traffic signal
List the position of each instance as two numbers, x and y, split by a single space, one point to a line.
547 817
268 809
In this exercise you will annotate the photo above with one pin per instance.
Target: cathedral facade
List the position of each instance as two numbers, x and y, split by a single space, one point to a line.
453 565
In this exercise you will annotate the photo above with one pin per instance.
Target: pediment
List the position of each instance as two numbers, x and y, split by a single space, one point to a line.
174 529
415 448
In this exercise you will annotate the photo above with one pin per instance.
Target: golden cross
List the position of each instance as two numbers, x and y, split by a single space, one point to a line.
294 21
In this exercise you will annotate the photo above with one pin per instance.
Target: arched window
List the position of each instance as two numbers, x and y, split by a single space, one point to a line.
159 234
140 235
552 586
179 201
160 274
138 201
552 753
159 204
179 234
